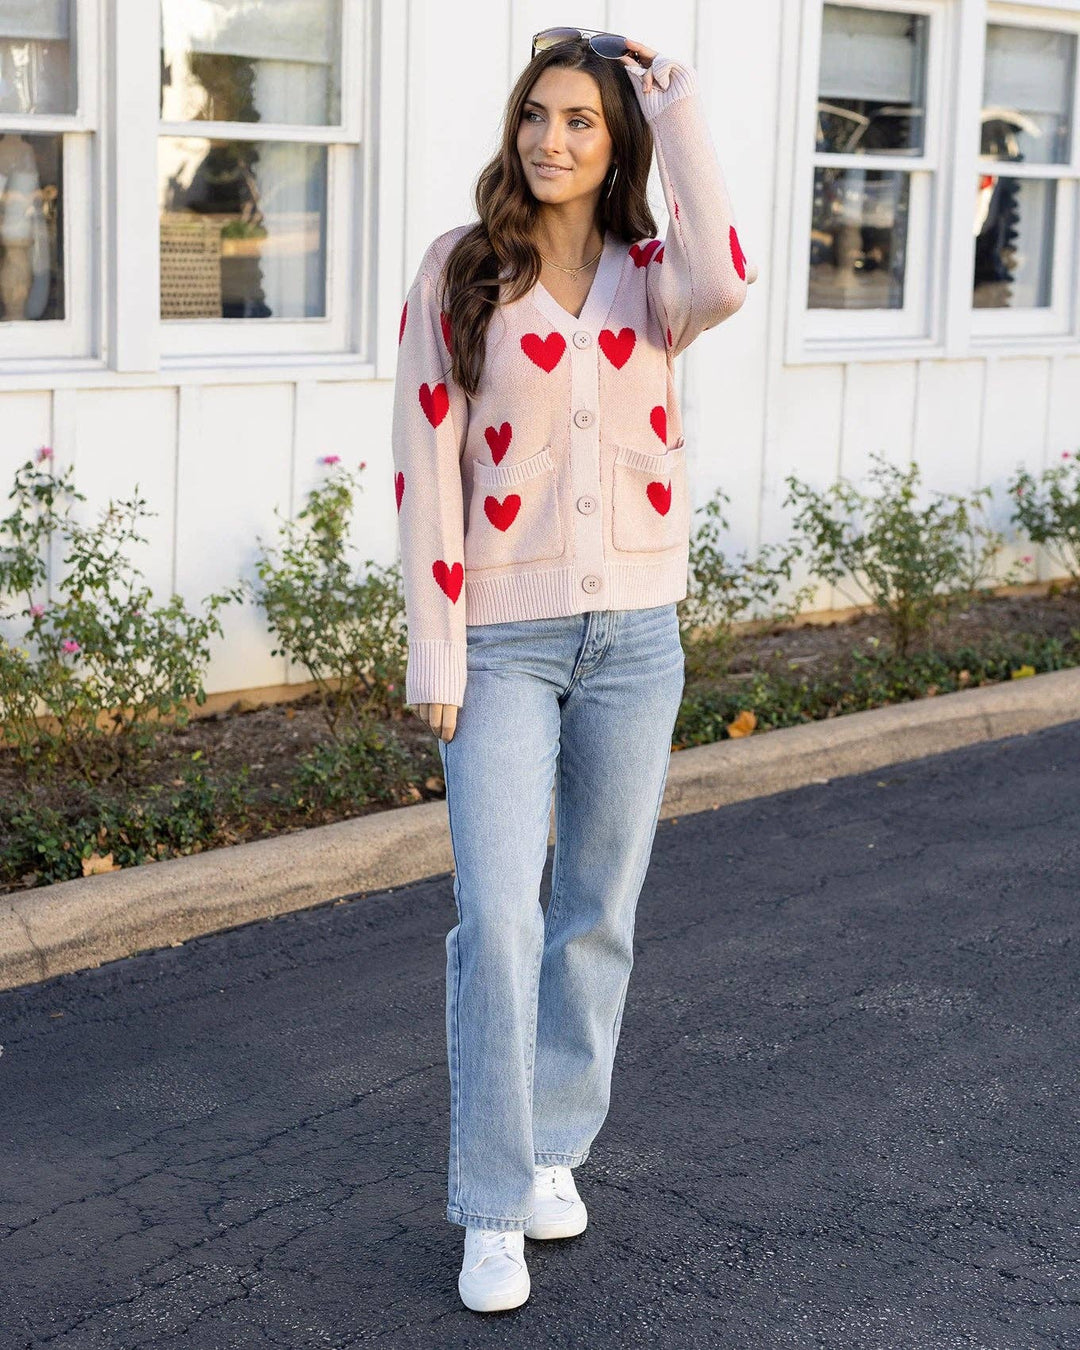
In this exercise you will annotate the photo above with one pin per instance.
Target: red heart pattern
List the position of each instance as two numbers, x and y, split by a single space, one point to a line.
618 349
435 403
399 488
401 326
737 255
498 441
502 513
444 320
642 254
669 342
450 579
544 352
658 421
660 496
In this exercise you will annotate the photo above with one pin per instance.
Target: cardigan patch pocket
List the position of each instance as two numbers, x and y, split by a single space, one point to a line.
514 513
650 501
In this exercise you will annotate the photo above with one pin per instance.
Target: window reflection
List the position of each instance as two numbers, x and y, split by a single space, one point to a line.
858 239
31 227
871 87
243 229
36 55
1014 242
251 61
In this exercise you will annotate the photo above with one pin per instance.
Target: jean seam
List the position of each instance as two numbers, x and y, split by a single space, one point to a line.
455 1104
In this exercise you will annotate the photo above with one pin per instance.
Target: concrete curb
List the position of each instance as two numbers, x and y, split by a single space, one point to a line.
75 925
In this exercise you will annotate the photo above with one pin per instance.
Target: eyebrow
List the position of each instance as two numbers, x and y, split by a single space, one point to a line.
581 107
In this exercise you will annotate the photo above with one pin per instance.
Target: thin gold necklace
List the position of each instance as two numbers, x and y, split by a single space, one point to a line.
573 270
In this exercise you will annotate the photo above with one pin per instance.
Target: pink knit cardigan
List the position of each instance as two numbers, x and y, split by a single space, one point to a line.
562 486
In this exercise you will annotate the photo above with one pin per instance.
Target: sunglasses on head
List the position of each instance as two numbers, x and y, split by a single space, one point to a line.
610 45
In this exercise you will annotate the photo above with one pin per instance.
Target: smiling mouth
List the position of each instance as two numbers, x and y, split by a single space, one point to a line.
552 168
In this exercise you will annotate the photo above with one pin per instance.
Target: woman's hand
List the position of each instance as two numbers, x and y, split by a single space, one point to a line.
642 56
440 717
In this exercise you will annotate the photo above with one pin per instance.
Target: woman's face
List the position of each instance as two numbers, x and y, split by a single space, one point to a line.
562 123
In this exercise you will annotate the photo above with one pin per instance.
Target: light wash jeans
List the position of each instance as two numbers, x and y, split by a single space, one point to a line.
534 1005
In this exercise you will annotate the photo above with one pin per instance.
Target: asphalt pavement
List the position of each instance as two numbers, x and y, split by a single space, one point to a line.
844 1111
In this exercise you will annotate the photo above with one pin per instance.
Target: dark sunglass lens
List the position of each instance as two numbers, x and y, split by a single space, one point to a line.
609 44
551 37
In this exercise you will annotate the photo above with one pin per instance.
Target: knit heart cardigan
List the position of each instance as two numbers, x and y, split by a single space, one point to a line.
562 486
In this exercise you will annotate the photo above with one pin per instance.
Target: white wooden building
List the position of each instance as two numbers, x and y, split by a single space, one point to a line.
211 210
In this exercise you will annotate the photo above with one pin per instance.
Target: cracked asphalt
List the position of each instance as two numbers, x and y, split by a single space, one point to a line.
844 1112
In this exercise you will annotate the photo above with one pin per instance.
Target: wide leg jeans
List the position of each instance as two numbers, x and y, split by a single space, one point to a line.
534 1003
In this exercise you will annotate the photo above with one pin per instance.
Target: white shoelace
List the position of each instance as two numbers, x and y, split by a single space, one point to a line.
491 1243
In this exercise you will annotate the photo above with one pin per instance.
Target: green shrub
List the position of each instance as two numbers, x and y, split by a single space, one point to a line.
100 658
722 591
1048 510
344 628
912 563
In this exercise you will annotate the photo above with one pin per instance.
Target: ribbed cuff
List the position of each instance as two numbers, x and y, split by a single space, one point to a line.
435 672
672 80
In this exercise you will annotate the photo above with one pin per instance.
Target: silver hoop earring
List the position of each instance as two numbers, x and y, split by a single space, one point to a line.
612 183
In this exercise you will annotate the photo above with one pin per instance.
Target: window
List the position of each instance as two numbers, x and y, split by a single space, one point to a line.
256 168
873 173
45 145
1024 215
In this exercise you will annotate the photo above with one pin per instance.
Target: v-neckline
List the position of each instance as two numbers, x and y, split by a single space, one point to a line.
597 302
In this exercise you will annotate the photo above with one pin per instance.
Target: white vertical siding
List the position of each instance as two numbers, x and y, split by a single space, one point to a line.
215 459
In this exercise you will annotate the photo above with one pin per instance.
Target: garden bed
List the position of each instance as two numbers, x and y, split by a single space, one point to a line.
241 775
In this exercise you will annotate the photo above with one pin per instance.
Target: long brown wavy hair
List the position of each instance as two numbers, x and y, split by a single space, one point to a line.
498 249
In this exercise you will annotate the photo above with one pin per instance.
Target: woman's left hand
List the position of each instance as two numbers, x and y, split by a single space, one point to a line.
641 56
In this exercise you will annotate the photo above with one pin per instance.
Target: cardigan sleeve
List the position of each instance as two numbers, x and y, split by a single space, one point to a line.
430 419
699 276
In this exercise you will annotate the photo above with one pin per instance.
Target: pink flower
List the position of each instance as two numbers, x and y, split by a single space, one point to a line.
44 453
1064 454
70 645
1026 558
331 459
363 463
36 611
390 687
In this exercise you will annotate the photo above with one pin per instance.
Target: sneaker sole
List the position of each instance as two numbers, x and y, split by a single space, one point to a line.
558 1228
513 1297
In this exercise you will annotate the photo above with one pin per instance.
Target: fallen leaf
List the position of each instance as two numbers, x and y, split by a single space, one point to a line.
99 863
743 725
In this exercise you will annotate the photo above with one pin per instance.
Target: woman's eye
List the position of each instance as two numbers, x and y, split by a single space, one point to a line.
527 115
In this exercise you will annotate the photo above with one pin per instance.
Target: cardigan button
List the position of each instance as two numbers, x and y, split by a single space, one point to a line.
590 583
586 505
583 418
581 338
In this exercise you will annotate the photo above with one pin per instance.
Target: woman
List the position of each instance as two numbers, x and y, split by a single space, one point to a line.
544 519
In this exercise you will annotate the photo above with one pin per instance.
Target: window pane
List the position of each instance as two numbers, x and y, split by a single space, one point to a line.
251 61
872 83
31 227
858 239
37 73
1027 98
1014 243
243 229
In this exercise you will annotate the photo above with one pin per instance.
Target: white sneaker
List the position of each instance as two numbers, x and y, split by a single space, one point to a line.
493 1275
558 1210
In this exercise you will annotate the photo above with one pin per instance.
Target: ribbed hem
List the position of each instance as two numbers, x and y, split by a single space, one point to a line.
435 672
681 81
555 592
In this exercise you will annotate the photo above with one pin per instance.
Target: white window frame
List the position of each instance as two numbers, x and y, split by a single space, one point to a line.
73 335
829 333
955 329
191 340
1060 318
